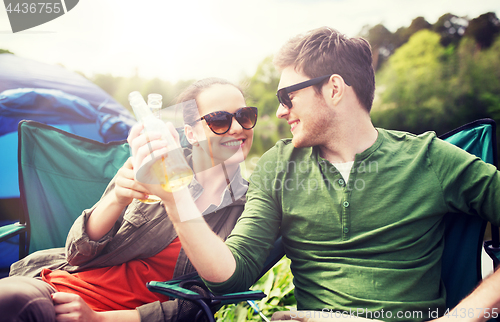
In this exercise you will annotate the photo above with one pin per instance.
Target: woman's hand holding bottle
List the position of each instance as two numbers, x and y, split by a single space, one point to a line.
126 187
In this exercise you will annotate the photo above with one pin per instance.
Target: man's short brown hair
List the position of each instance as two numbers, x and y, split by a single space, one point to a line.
325 51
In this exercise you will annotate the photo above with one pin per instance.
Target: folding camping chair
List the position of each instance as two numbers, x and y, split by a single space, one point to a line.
461 261
461 268
60 174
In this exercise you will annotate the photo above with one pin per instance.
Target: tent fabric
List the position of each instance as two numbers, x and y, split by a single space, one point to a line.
57 108
45 105
52 95
52 106
56 96
22 73
18 72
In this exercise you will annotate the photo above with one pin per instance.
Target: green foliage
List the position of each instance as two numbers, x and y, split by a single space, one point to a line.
402 35
5 51
120 87
408 81
484 29
451 28
261 93
262 87
436 81
382 42
277 284
425 86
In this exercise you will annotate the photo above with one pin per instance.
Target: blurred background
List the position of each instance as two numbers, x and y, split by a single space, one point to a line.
437 63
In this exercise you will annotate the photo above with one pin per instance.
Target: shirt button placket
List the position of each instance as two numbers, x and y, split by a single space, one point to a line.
345 230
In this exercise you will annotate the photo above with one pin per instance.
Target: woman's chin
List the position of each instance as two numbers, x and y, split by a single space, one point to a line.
233 156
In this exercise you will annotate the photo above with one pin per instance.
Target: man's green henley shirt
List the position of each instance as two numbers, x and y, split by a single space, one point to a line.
373 243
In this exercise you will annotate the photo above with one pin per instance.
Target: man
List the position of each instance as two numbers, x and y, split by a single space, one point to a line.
360 209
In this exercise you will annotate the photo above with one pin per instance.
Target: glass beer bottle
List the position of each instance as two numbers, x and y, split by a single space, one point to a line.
172 171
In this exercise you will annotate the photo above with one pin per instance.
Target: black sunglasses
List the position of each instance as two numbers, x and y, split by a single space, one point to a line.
220 122
283 96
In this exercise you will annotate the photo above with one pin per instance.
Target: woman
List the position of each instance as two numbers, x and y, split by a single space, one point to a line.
118 245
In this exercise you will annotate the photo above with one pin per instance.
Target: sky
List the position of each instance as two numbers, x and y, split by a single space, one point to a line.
180 40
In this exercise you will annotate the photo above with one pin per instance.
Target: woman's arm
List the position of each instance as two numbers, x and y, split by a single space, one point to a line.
110 208
88 235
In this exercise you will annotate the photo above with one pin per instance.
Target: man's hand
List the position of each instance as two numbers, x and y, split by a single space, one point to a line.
146 150
314 316
71 307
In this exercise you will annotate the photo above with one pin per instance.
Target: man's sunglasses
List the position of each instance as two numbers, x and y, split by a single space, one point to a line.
283 96
220 122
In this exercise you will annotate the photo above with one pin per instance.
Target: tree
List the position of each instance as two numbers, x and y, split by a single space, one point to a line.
451 28
425 86
413 93
262 86
484 29
120 88
477 81
261 92
402 35
382 42
108 83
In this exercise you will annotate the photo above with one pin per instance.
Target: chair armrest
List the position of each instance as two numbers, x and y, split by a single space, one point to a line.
179 289
182 288
11 230
493 252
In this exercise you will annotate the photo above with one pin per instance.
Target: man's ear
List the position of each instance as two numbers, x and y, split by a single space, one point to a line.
335 88
190 135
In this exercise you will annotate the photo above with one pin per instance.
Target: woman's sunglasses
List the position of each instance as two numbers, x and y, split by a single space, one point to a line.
220 122
283 96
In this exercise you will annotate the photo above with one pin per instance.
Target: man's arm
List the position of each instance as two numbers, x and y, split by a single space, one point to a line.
207 252
481 305
238 262
470 186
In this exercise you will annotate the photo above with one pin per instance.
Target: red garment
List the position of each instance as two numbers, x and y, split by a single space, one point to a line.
118 287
